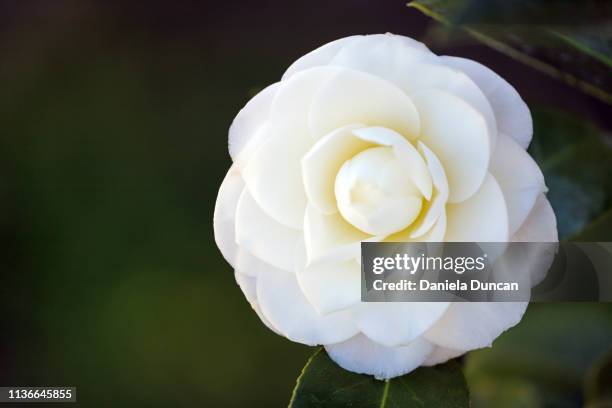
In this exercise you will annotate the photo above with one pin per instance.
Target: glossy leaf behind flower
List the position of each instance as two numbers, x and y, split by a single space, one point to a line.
545 359
324 384
576 159
574 47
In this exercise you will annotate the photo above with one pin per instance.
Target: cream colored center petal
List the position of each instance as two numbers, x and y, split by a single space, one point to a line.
375 193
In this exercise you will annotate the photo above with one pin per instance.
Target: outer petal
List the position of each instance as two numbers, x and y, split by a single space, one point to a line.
249 120
250 265
284 305
468 326
519 177
329 286
396 323
412 67
224 218
248 285
441 355
511 112
458 135
273 172
321 56
322 163
356 97
291 104
284 105
361 355
386 56
540 225
262 236
273 175
481 218
433 74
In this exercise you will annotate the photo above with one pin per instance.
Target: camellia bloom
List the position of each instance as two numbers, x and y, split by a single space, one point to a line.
375 138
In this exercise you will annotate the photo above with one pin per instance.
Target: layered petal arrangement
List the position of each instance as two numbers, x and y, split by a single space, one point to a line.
375 138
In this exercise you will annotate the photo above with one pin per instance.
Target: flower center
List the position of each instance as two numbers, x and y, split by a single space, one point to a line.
375 193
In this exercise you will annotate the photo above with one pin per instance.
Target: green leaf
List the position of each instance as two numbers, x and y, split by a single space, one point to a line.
569 42
325 384
525 12
576 159
544 360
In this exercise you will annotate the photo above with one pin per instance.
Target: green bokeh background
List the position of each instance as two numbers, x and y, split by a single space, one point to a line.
113 140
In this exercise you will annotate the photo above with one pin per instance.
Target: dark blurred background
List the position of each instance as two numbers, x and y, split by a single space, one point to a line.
113 143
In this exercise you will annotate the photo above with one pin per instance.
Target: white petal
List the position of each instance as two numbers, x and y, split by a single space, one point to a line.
540 225
519 177
457 134
326 233
361 355
438 231
224 218
511 113
434 234
262 236
404 151
291 105
396 323
436 207
329 286
472 325
431 213
322 163
248 284
356 97
407 42
250 265
273 171
249 120
318 57
274 177
481 218
433 74
441 355
526 264
375 193
436 169
264 319
386 56
284 305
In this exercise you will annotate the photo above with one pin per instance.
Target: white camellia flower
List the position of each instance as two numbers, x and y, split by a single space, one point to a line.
375 138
